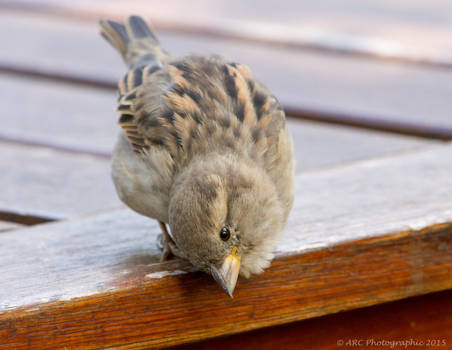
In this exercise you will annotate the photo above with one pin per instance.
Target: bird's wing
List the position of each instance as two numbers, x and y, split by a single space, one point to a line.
197 97
280 163
129 89
147 116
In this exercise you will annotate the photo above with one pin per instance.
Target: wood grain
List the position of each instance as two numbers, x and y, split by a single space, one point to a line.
358 236
48 184
416 321
182 308
382 95
416 33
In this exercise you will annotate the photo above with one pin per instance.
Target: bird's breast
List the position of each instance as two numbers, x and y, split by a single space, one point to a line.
139 184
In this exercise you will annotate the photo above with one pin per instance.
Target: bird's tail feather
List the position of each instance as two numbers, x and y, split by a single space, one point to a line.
135 41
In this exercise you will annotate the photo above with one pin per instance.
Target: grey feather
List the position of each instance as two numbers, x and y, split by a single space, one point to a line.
140 29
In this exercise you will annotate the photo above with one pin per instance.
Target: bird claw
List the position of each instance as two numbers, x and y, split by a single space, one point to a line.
163 244
164 241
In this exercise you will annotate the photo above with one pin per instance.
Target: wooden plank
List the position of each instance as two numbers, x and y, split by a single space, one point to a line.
71 118
54 185
325 145
81 120
420 322
344 90
96 283
367 28
8 226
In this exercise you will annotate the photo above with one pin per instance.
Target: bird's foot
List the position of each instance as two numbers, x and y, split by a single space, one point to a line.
164 242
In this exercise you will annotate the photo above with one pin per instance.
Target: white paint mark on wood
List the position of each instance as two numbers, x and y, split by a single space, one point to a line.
161 274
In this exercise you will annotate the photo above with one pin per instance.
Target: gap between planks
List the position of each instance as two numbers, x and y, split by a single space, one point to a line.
22 219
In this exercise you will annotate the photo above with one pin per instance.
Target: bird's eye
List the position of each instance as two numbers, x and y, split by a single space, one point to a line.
225 233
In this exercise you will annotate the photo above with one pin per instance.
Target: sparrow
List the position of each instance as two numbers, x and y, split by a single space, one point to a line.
203 147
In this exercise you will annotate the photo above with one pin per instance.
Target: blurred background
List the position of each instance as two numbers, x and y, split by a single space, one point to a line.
358 79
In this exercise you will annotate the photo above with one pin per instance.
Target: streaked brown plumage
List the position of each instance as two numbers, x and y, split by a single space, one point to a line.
205 149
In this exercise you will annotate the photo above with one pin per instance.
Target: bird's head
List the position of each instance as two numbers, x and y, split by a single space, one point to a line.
225 218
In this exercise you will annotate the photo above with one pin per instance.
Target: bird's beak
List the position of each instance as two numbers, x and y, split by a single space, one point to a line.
226 276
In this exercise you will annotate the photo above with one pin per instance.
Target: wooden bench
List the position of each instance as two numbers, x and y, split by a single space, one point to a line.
367 253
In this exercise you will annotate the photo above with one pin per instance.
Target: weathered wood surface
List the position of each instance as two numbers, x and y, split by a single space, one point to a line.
180 308
422 322
8 226
324 87
418 33
126 298
325 145
74 118
82 120
50 184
